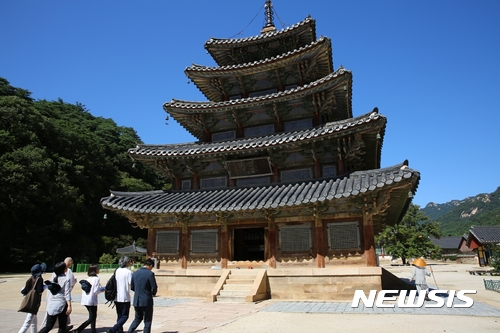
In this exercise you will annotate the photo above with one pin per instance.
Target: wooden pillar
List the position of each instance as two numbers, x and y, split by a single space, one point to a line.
369 241
317 169
276 175
224 247
184 248
320 241
279 125
240 133
271 243
316 119
208 135
151 243
196 181
177 183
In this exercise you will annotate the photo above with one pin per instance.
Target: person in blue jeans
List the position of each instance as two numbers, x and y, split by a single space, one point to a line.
144 286
122 302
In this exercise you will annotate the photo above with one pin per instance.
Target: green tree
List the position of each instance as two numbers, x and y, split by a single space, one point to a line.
495 258
410 237
56 162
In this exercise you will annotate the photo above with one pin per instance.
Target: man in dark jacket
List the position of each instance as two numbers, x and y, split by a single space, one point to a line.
144 286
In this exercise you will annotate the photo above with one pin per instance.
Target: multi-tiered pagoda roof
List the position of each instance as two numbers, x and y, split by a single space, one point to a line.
276 133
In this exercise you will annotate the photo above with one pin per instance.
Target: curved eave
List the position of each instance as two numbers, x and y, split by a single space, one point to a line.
218 47
203 76
397 179
177 106
182 111
371 122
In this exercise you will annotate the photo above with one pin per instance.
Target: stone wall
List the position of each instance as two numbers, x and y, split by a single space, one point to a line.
293 283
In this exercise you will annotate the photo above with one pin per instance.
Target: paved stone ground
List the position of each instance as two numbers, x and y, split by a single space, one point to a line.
187 315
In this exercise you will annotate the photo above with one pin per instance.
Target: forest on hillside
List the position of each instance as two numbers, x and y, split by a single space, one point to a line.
57 161
456 217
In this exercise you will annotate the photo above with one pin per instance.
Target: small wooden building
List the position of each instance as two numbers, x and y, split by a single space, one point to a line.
283 176
481 239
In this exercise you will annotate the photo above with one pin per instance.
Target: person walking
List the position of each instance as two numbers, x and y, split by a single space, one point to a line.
59 306
123 277
72 281
144 286
89 299
34 282
418 274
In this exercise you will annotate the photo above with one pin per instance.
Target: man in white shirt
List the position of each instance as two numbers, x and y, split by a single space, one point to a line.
72 281
123 278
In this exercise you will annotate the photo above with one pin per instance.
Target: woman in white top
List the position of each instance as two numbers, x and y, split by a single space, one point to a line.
90 299
59 306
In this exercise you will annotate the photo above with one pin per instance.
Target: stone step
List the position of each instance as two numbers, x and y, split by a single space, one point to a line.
252 272
236 286
232 293
231 299
241 276
239 281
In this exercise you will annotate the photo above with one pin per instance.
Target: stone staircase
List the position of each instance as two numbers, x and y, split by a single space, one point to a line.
240 286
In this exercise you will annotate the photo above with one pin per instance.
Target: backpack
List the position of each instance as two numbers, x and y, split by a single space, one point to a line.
111 290
86 286
53 287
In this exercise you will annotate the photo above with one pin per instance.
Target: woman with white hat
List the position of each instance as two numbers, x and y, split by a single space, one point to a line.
418 274
34 282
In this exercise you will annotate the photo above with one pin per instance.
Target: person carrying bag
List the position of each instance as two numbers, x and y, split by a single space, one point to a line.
32 298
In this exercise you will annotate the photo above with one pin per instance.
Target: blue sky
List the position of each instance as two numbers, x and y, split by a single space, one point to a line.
431 67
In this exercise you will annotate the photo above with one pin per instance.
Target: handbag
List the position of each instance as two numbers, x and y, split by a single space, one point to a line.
31 302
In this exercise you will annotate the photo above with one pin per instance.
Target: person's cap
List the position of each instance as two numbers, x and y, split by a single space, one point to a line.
420 262
38 269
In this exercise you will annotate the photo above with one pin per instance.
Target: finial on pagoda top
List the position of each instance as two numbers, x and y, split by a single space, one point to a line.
269 18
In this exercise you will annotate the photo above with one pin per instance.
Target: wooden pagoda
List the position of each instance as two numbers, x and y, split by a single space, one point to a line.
282 177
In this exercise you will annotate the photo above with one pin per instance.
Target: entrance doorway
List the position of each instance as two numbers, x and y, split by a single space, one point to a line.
249 244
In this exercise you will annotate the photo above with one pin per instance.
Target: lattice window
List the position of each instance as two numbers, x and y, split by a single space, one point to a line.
299 174
297 125
343 236
229 135
213 182
204 241
296 239
329 171
167 242
249 167
254 181
186 184
259 130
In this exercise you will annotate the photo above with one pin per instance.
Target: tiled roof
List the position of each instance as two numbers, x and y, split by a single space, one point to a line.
486 234
195 107
276 33
197 148
240 199
310 48
447 242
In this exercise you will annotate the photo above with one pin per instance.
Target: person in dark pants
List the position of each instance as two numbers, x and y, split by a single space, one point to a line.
59 306
89 299
122 302
144 286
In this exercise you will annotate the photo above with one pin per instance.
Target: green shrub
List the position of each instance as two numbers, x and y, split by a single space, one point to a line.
107 259
495 258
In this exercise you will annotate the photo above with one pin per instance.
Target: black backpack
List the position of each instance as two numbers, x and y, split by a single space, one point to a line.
86 286
111 290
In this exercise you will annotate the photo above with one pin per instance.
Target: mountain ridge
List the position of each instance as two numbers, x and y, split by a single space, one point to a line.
457 216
